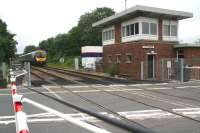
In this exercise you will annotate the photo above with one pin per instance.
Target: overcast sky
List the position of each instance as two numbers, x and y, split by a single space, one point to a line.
35 20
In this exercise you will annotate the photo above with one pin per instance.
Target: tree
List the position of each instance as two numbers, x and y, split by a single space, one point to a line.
7 43
29 49
91 35
83 34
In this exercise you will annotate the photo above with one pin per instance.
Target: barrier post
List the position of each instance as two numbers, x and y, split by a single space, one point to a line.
20 116
29 74
182 70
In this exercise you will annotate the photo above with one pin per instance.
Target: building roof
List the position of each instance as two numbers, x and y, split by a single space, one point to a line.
140 10
187 45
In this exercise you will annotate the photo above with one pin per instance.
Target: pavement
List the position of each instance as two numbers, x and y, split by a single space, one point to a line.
144 103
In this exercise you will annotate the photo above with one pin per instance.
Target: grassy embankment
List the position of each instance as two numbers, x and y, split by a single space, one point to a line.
68 62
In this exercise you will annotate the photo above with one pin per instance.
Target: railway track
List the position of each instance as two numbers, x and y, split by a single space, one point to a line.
124 97
110 80
114 113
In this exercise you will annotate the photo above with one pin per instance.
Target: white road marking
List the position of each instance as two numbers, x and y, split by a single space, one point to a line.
158 88
181 87
52 92
75 86
133 115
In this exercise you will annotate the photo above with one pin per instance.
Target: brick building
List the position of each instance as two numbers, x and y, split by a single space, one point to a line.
138 38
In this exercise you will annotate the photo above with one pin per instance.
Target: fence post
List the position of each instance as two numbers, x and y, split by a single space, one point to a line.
162 69
29 73
27 67
76 63
182 70
142 70
4 70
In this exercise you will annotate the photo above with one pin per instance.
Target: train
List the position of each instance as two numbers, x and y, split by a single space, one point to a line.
37 57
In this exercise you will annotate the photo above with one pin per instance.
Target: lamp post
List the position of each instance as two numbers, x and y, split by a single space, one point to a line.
125 4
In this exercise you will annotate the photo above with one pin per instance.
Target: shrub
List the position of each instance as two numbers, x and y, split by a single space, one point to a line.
112 70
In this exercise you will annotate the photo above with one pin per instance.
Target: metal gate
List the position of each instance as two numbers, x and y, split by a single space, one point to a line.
173 69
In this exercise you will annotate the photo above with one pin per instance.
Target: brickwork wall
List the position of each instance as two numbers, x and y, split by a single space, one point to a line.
163 50
118 33
191 52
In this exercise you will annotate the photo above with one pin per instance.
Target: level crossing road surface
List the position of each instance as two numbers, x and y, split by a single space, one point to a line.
181 98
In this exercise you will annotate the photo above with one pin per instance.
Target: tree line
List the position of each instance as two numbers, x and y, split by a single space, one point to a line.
7 43
69 44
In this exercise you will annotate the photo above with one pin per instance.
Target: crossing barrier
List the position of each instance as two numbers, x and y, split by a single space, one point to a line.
20 116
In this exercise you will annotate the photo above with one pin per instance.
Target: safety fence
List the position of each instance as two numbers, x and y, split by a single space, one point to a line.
168 69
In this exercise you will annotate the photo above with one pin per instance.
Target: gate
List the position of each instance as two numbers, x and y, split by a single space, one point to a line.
173 69
180 69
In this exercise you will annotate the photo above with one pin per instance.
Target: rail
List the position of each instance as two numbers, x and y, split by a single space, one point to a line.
135 128
21 118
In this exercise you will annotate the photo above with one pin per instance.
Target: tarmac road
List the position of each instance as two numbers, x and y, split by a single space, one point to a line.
176 97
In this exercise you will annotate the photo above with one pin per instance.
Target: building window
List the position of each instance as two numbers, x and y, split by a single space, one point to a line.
108 35
109 59
130 30
173 30
166 30
136 28
118 58
129 58
145 28
123 31
112 34
153 29
149 28
170 30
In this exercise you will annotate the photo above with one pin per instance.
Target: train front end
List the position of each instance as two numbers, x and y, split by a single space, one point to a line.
40 58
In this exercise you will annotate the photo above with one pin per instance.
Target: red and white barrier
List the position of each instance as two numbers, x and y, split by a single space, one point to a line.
20 116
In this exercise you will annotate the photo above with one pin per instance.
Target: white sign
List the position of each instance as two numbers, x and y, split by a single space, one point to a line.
169 64
62 60
148 46
76 62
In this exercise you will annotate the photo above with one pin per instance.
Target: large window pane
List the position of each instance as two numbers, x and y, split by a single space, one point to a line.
136 28
109 34
173 30
112 34
145 28
123 31
153 29
166 30
106 36
132 29
103 36
127 30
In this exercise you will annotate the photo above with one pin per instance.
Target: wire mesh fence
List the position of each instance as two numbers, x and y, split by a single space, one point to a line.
171 69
